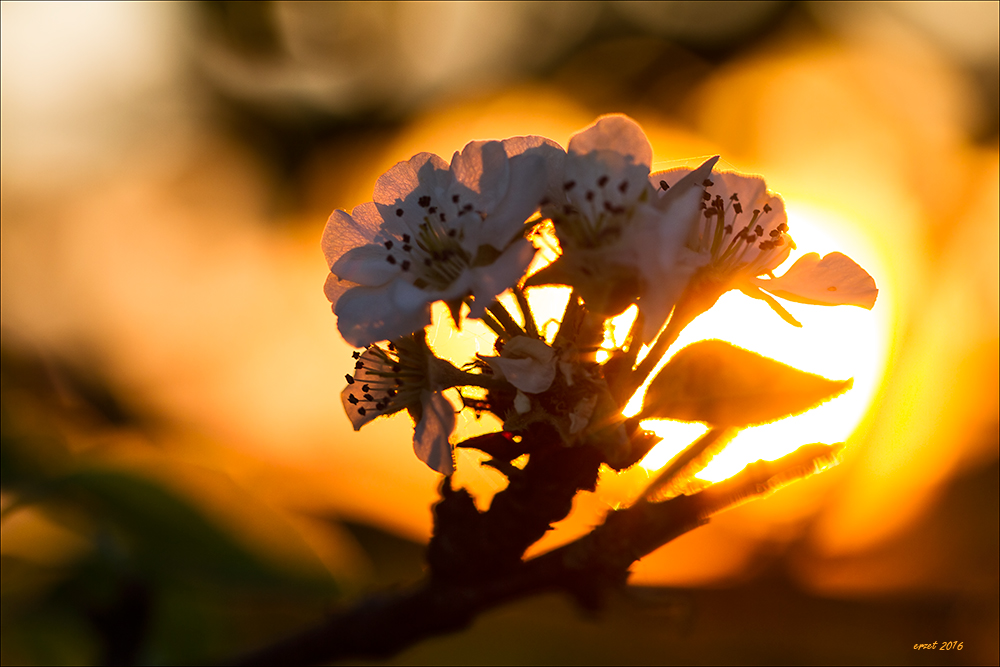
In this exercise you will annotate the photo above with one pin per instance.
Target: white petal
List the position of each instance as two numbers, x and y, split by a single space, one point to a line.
483 171
353 412
616 133
430 437
528 375
551 153
834 280
404 177
344 231
525 347
369 314
581 414
398 191
522 403
366 265
506 271
334 288
681 182
523 197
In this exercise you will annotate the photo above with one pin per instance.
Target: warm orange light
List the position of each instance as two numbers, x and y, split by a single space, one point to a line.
838 343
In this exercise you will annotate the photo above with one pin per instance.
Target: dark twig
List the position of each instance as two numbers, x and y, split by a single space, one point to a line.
383 625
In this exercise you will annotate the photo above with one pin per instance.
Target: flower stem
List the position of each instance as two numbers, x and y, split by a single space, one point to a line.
505 320
529 320
570 318
492 323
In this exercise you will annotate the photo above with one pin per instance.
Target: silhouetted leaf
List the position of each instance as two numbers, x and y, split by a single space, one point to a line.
720 384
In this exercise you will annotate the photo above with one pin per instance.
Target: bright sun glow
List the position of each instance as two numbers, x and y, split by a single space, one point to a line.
836 342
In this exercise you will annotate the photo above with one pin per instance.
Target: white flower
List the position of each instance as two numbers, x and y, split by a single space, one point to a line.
406 375
620 237
434 232
527 363
743 234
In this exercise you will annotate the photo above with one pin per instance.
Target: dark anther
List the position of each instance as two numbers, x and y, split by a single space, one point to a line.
569 185
706 196
350 380
352 399
738 207
369 397
406 238
728 229
405 265
758 230
424 201
451 232
361 411
734 197
388 245
608 207
454 199
767 208
391 393
396 368
390 259
622 187
356 354
602 181
590 195
407 247
365 388
359 365
707 183
399 212
773 233
380 406
467 207
664 186
432 210
782 227
427 261
443 218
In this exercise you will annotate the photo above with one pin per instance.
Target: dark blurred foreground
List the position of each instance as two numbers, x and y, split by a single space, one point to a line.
178 483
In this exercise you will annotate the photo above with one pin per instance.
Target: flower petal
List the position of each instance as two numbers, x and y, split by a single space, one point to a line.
402 186
506 271
430 437
527 184
344 231
614 132
369 314
366 265
483 171
834 280
551 153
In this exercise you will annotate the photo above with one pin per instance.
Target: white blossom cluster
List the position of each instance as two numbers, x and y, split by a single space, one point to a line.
459 233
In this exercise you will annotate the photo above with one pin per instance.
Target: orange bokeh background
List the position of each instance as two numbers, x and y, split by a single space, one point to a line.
149 247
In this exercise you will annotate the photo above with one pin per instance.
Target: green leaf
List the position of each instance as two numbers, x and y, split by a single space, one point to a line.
170 538
723 385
